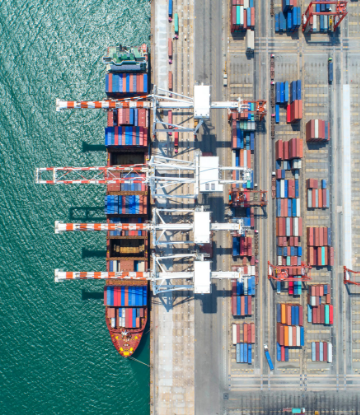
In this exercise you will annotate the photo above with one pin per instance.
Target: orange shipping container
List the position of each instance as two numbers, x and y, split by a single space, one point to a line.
170 47
286 335
283 313
288 314
245 333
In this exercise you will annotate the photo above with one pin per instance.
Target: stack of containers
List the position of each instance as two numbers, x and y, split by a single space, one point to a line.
288 150
242 293
242 246
294 111
320 251
281 97
319 23
126 233
290 330
126 83
290 19
242 158
126 136
242 15
317 130
320 311
318 196
124 296
125 205
321 352
244 347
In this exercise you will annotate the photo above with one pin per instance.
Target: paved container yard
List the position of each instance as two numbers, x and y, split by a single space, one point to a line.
194 370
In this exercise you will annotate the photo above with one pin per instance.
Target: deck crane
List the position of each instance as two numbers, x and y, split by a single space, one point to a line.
347 276
161 173
282 273
339 13
200 225
169 100
201 275
247 198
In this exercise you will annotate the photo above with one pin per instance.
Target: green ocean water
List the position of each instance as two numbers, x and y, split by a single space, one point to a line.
56 356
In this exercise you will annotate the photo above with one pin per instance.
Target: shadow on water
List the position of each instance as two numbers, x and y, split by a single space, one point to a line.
92 253
144 344
92 295
92 147
86 213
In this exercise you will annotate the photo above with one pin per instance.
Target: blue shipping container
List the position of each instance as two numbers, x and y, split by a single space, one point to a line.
298 89
277 113
282 92
286 91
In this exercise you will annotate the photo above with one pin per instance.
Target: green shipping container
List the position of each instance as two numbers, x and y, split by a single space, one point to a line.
176 23
288 260
327 314
323 255
237 15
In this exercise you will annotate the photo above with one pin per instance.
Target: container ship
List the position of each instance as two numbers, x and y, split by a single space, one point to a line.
126 141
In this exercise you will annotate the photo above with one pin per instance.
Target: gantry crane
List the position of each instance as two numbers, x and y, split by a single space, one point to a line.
201 275
282 272
247 198
200 104
200 225
339 13
161 173
347 276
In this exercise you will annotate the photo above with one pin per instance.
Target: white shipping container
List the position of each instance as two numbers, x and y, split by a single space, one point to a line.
246 4
315 23
316 128
296 226
234 334
321 349
298 207
329 355
233 158
290 336
279 260
241 15
313 301
112 322
245 158
298 336
316 198
251 270
282 188
250 44
140 267
245 286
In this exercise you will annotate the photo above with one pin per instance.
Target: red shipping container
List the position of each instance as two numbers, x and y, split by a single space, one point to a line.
288 114
331 314
170 47
282 335
288 314
331 256
238 333
311 255
310 236
233 287
314 315
242 306
110 82
316 236
282 348
286 150
293 335
248 333
252 16
245 333
300 147
249 305
322 313
325 351
321 236
110 119
320 198
245 20
317 351
233 301
234 138
326 257
300 113
170 81
301 316
319 258
328 138
279 153
321 290
300 226
252 332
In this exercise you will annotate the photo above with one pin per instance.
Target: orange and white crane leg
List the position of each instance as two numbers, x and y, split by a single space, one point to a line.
68 276
65 227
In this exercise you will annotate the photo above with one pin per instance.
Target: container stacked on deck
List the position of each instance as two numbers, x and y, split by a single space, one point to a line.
320 311
137 117
289 19
126 136
242 16
243 342
126 83
283 92
318 196
125 205
243 247
321 352
290 330
320 251
242 293
116 298
317 130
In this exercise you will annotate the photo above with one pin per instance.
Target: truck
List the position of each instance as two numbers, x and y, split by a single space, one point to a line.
330 70
250 41
268 357
272 66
